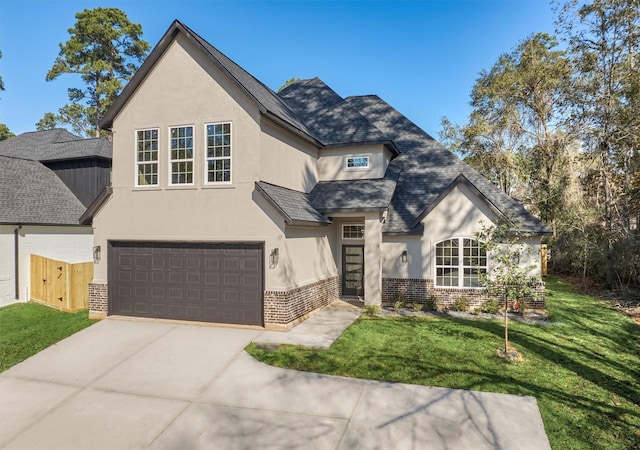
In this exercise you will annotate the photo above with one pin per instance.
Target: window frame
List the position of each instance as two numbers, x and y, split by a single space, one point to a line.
354 157
139 163
462 267
345 225
207 158
181 160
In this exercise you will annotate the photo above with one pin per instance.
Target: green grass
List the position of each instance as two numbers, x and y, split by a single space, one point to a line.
27 328
583 368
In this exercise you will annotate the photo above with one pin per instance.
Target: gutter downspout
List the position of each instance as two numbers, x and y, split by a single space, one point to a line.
17 261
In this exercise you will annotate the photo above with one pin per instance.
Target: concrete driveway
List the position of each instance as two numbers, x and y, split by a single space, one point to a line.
128 384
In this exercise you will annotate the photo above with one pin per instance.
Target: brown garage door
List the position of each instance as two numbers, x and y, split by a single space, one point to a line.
187 281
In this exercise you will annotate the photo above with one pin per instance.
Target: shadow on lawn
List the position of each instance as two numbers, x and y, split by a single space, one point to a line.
557 352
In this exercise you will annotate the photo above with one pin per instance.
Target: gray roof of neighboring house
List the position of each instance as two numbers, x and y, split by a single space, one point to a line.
294 206
54 145
428 169
30 193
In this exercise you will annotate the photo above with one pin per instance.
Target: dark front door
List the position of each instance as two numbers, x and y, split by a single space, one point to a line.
205 282
353 270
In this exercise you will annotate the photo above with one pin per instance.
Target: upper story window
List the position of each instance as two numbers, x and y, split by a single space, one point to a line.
356 162
218 153
352 231
460 262
181 155
147 157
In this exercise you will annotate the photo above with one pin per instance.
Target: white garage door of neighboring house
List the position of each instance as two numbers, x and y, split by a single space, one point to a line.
206 282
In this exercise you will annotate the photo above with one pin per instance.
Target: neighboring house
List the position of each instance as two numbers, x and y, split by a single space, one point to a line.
231 203
46 180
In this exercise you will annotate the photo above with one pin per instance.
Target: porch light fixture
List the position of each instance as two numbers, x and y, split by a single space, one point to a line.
96 254
274 258
403 257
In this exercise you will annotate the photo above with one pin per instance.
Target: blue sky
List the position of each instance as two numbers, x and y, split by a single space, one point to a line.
422 57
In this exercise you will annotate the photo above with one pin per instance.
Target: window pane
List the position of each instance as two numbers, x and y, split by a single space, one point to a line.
147 152
457 266
353 232
218 152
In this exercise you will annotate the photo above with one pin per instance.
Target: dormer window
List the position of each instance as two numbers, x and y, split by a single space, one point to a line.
356 162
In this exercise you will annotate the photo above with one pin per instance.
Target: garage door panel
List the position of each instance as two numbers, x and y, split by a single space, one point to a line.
202 282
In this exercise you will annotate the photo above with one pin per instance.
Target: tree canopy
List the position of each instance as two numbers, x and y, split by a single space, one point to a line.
559 129
105 48
288 82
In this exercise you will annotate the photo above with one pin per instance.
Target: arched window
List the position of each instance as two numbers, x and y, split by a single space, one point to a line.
460 262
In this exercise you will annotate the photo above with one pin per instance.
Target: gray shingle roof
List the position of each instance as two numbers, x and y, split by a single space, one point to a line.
428 169
53 145
294 206
30 193
355 195
328 116
414 181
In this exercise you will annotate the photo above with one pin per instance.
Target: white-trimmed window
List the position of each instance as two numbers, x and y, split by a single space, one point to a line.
218 153
356 162
352 231
460 262
181 155
147 157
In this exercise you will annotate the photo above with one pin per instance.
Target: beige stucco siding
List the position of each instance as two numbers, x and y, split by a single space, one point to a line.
460 214
186 89
331 165
183 89
286 160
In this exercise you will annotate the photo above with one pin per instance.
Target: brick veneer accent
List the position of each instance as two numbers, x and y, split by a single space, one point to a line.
284 307
98 300
417 290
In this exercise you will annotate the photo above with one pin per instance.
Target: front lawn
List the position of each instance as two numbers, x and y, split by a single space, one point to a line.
27 328
583 368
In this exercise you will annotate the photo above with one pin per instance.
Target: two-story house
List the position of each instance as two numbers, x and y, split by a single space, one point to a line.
235 204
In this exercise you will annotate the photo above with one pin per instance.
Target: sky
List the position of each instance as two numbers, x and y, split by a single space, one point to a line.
422 56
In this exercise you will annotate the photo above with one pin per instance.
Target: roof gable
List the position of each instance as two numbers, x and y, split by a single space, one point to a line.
460 180
268 103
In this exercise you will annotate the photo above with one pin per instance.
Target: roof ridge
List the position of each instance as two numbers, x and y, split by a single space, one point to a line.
20 159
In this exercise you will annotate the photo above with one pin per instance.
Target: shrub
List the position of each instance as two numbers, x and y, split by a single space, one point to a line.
431 303
399 301
490 307
461 304
371 310
417 307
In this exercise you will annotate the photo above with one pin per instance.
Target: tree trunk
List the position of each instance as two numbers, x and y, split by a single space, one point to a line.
506 326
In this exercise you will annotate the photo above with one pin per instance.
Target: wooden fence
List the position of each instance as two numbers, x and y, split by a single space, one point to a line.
61 285
543 260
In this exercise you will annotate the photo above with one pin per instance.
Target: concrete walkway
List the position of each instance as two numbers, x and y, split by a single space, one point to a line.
320 330
135 385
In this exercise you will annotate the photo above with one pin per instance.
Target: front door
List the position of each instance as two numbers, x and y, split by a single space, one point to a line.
353 270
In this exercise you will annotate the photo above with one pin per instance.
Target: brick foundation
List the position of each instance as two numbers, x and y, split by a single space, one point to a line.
417 290
98 300
285 307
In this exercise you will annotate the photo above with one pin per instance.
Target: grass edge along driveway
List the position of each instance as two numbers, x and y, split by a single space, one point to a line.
583 367
27 328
